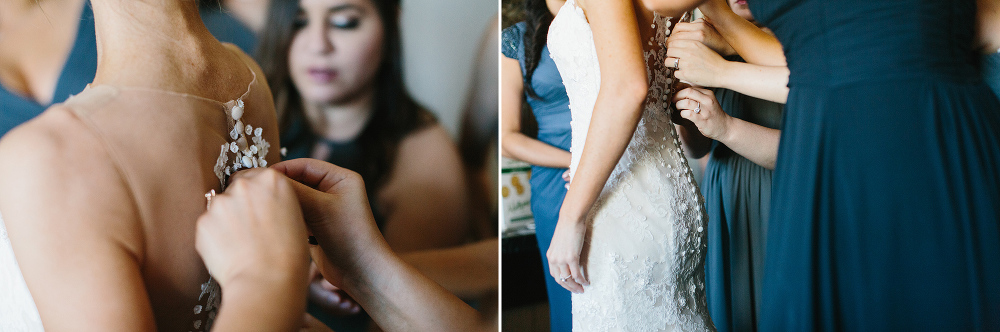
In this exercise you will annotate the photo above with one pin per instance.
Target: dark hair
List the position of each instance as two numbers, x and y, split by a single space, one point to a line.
394 113
538 17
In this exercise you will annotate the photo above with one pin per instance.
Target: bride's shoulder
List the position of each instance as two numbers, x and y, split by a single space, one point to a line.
55 151
57 177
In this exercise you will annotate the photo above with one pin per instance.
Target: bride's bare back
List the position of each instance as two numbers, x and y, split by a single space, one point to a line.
100 196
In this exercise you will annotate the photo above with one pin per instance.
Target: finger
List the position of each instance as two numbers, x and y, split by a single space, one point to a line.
687 104
568 283
683 94
686 35
245 173
671 62
699 95
314 173
575 269
687 114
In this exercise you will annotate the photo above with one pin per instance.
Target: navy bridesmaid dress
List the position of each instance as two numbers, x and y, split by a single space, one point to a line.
886 198
77 72
991 71
548 188
738 200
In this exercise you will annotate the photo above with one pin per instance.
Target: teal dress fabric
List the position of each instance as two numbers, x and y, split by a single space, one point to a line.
738 200
77 72
548 189
991 71
885 212
227 29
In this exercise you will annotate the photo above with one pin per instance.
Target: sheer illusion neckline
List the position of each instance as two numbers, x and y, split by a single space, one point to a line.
226 104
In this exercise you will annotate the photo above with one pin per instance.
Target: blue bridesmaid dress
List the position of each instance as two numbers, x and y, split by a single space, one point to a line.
886 198
548 188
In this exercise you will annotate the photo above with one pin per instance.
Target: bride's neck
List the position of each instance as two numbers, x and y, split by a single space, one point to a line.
165 40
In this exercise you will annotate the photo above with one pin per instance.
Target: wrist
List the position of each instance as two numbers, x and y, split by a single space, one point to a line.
725 80
730 126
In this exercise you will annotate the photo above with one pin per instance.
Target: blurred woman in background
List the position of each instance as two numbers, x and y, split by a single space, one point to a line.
335 71
529 73
48 52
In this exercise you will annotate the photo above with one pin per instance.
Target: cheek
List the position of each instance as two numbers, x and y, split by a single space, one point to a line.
297 65
366 56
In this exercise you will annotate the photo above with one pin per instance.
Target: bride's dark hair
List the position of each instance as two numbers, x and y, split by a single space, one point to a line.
394 113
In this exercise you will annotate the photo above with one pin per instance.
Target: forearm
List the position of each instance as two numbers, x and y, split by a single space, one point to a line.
757 143
466 271
764 82
399 298
611 128
262 306
752 43
521 147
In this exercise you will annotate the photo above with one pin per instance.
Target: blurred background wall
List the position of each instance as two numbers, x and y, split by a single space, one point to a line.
440 39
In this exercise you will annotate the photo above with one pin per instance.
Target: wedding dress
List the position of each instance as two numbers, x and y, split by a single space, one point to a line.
174 151
646 241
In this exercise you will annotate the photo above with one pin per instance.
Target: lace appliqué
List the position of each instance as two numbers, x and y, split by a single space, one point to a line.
245 154
248 149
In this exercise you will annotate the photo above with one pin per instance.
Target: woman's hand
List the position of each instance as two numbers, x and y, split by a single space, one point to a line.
335 207
330 298
700 107
701 31
697 64
565 264
254 232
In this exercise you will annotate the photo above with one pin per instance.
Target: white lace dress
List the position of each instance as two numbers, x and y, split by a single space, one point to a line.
17 309
646 242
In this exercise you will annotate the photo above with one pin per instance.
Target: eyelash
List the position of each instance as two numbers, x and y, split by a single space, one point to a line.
349 24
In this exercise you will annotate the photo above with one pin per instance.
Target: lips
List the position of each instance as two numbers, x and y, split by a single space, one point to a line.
741 2
322 76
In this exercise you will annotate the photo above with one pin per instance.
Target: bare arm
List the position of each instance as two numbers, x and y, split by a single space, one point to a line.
73 228
514 144
701 66
764 82
425 198
616 114
752 43
467 271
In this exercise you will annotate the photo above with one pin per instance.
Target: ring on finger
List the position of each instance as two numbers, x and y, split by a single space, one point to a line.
677 63
697 110
563 279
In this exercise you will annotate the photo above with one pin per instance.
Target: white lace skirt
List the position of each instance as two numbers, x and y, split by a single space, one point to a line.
645 255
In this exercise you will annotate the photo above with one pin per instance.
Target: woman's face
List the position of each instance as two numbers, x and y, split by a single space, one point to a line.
740 8
336 49
671 7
